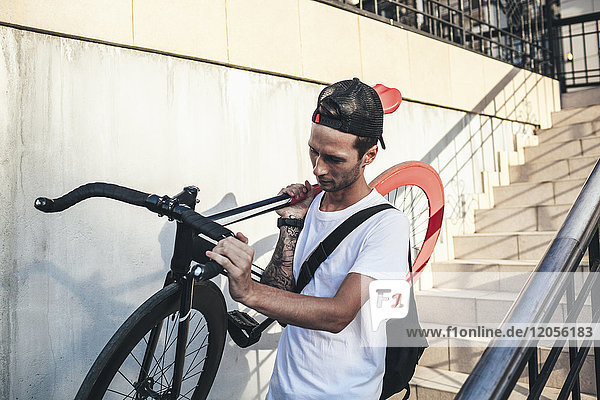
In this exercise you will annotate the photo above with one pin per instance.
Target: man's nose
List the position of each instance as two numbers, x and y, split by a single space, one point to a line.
319 168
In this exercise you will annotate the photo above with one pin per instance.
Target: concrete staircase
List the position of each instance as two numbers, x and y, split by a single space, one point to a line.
492 265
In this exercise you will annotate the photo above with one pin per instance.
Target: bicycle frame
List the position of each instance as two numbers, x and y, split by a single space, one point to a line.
181 273
180 268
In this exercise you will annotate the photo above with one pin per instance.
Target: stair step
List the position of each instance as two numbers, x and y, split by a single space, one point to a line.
540 171
431 383
521 219
497 275
561 192
461 355
577 115
587 376
465 307
502 246
569 132
561 150
580 98
441 306
500 275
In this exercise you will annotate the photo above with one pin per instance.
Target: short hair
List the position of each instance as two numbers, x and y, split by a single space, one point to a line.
362 143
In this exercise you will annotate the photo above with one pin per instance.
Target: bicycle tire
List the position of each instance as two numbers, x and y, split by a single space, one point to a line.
110 368
398 185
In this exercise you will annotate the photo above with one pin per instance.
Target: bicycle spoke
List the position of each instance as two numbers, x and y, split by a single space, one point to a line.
188 392
202 345
127 396
190 368
187 355
185 396
195 334
153 356
127 379
164 352
196 373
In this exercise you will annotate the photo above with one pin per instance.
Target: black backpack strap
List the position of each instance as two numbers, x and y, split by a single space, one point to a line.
328 245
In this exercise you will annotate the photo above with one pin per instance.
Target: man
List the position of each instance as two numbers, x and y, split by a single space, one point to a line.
327 350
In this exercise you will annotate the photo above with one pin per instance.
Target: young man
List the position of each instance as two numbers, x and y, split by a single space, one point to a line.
327 350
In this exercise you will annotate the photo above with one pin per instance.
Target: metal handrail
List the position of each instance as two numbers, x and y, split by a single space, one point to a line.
499 368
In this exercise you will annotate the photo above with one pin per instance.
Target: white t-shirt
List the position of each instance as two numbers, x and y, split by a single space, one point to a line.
313 364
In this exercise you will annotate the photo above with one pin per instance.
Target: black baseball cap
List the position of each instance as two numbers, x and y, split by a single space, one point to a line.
352 107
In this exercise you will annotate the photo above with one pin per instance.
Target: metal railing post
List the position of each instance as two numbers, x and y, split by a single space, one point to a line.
575 392
594 261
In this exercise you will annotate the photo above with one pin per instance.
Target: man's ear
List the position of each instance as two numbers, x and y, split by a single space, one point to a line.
369 156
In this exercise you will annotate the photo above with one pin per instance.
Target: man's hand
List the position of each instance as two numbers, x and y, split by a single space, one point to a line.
297 191
236 257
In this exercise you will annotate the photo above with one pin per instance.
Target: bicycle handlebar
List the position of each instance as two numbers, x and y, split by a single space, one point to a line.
97 189
164 205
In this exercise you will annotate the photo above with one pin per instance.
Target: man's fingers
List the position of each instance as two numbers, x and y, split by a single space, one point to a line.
226 261
221 260
236 251
296 190
241 237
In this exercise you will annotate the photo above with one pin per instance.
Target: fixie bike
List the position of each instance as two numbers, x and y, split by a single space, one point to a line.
171 346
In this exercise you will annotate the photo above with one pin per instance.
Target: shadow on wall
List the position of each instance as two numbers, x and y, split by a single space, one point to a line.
473 145
55 375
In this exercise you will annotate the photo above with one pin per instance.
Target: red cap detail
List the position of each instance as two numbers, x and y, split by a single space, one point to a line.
317 118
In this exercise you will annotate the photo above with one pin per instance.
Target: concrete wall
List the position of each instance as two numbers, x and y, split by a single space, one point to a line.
300 38
73 112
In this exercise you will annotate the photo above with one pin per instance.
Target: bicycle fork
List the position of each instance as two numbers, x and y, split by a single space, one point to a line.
144 384
180 273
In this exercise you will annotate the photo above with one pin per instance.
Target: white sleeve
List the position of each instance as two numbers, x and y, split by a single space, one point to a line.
384 252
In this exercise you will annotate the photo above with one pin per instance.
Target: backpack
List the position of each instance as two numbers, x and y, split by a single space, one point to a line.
400 362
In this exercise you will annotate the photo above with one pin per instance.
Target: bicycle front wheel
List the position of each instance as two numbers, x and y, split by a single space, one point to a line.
114 374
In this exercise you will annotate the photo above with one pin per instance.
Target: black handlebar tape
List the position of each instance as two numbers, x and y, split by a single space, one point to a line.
199 248
97 189
205 225
211 229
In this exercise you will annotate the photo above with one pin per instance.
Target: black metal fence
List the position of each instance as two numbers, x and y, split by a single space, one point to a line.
528 34
577 50
514 31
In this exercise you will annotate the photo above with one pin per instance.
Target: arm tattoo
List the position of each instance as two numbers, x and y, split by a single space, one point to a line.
278 272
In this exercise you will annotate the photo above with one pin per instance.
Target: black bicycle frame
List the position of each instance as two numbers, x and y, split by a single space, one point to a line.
180 272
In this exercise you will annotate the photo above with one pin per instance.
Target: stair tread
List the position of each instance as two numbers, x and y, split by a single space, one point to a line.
467 293
518 184
476 294
575 109
524 233
495 262
559 142
488 262
542 130
452 381
552 161
508 207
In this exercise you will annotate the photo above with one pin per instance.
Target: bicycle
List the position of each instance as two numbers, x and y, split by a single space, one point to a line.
153 355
